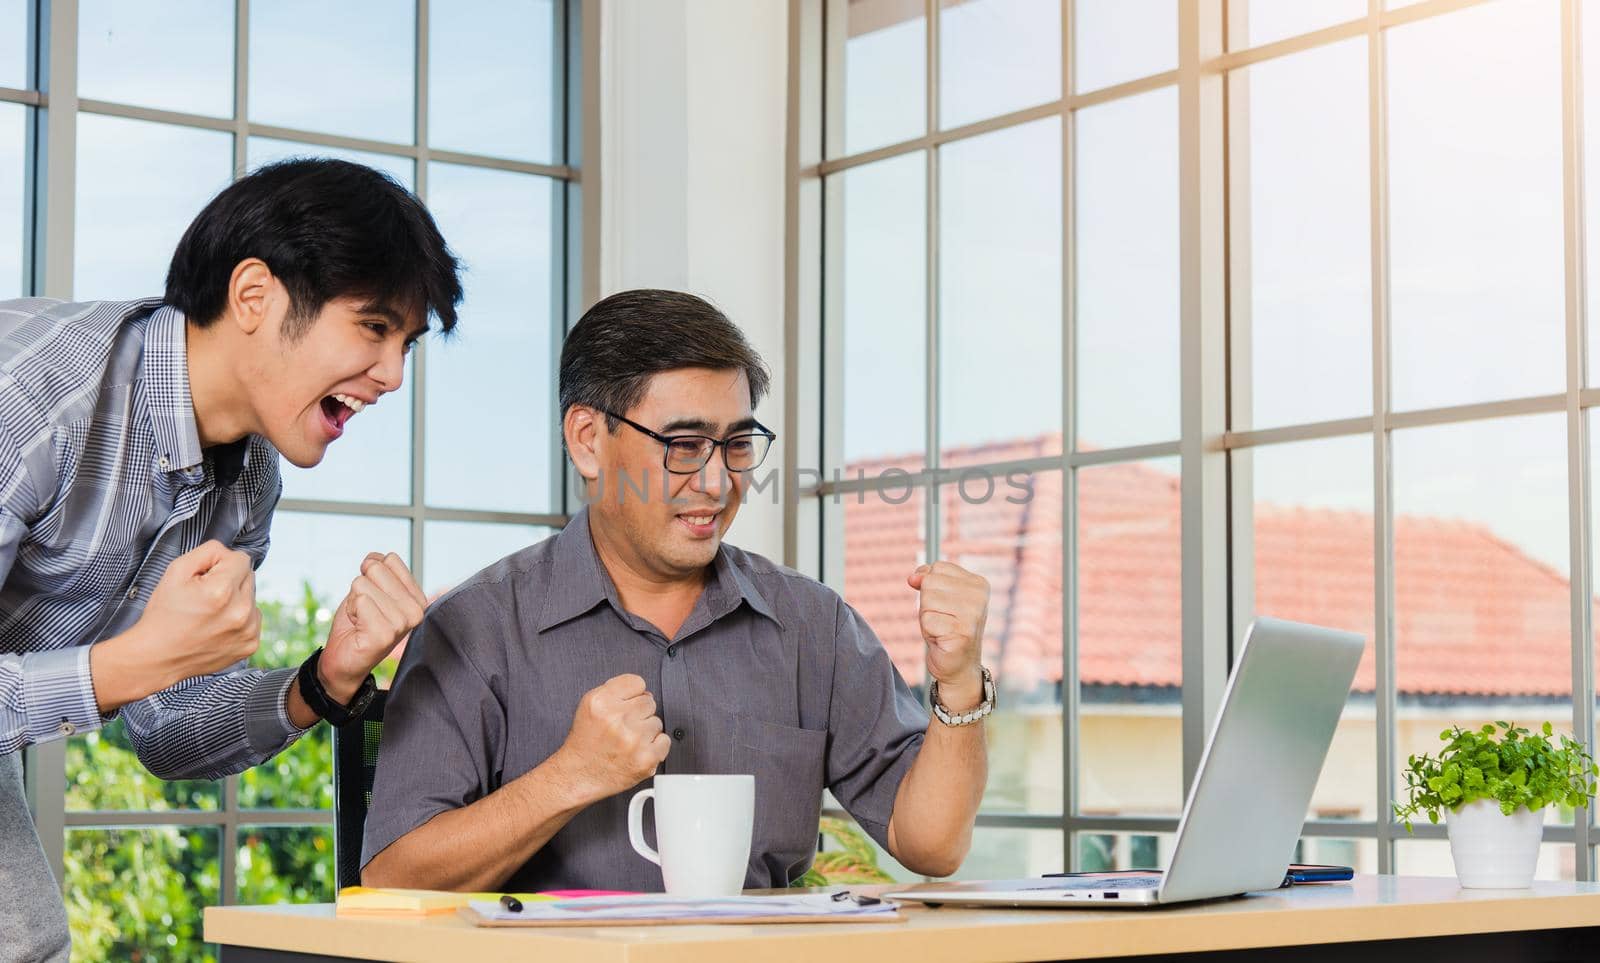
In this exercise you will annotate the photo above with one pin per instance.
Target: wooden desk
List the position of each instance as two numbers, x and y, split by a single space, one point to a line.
1372 919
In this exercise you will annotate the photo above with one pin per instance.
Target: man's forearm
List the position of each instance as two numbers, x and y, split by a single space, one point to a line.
478 847
930 831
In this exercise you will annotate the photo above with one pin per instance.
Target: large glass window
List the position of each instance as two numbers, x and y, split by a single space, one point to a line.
456 550
139 185
16 42
1116 41
151 147
1481 572
13 201
355 74
881 297
1000 217
1590 51
1129 631
1475 205
495 80
1007 528
191 40
1306 344
1310 317
879 80
1270 20
1313 500
480 393
996 56
1126 264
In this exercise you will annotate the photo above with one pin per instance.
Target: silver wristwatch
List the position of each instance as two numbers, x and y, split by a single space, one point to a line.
971 715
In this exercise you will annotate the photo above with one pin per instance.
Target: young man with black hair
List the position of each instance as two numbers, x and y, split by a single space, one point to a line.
139 446
537 695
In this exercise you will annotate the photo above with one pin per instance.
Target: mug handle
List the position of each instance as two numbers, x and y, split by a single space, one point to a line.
636 825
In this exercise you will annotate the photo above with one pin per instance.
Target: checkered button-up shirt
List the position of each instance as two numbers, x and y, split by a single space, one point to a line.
102 484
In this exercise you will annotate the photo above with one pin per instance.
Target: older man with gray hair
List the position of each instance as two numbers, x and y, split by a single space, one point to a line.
536 695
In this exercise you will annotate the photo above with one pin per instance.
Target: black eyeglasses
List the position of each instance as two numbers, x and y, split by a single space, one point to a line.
687 454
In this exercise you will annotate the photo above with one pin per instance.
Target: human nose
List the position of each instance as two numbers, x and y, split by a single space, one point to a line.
713 478
390 369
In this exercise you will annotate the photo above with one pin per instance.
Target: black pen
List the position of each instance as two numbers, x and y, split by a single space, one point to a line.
856 898
511 903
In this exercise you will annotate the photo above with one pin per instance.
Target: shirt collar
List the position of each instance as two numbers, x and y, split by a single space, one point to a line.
578 582
166 384
172 421
735 584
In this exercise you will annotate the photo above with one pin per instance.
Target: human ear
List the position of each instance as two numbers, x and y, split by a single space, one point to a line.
251 292
582 428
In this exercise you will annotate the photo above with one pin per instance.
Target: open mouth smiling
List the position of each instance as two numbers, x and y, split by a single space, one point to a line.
337 409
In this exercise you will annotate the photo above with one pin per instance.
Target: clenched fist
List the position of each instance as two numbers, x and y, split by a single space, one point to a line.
200 618
951 611
384 605
616 740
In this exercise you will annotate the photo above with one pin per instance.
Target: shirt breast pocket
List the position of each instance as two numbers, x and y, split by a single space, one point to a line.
788 767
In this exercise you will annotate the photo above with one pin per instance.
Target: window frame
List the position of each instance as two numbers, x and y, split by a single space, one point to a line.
50 175
1214 330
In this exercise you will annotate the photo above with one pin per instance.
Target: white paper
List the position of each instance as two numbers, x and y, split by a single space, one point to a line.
659 906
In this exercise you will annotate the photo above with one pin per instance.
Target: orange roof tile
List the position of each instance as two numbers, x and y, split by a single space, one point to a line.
1474 615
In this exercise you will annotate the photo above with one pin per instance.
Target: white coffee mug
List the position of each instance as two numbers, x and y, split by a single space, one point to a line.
703 826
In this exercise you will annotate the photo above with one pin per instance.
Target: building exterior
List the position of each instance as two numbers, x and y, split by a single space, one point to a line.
1481 634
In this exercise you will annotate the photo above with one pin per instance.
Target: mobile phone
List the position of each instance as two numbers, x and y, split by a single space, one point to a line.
1297 873
1308 873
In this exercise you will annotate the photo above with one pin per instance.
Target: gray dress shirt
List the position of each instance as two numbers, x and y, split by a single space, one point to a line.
102 484
772 674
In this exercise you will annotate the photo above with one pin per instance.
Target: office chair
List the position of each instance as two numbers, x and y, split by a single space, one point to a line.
355 763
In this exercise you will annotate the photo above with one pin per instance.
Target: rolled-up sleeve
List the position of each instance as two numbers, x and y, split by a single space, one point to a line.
875 726
444 727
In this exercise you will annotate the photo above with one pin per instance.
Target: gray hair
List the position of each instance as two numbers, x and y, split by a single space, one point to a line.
618 345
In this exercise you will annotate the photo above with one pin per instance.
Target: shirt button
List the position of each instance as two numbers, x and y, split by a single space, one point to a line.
678 733
165 463
672 652
66 728
133 592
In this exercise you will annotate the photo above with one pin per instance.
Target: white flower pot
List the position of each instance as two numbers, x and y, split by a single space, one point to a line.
1492 850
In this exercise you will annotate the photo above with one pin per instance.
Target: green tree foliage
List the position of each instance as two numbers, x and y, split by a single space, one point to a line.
1513 768
137 894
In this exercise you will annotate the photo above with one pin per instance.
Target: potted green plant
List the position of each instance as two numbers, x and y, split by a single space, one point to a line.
855 861
1492 786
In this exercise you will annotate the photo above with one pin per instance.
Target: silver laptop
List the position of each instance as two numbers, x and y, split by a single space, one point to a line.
1250 796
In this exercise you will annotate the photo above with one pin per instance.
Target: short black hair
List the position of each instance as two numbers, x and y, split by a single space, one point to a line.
327 229
618 345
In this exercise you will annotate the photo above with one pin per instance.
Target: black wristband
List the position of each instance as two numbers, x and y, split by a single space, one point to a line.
337 714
